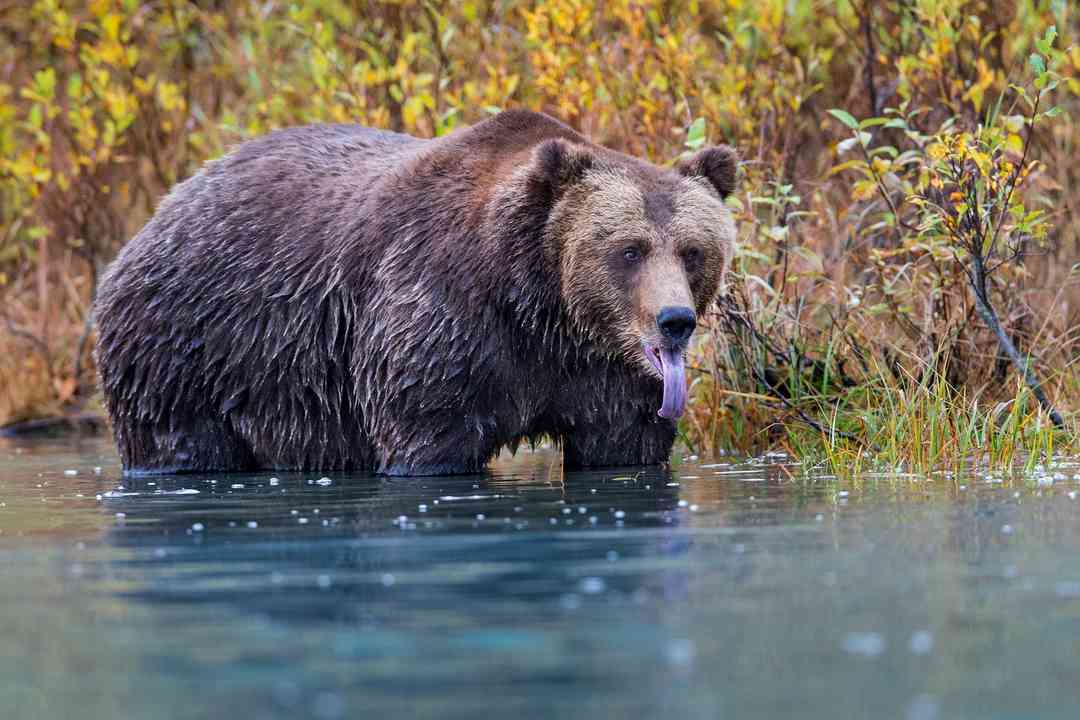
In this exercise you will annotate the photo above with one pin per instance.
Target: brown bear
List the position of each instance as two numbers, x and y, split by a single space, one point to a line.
336 297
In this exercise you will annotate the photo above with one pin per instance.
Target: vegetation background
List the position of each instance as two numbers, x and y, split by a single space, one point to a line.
908 206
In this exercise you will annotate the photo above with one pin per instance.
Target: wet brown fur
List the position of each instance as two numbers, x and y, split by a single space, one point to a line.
339 297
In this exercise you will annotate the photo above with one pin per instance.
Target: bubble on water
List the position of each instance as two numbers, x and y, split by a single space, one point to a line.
683 503
923 707
673 484
680 652
323 581
274 481
1069 589
237 486
921 642
324 481
693 508
865 644
843 494
71 472
1006 529
182 491
819 517
619 514
570 601
612 556
121 516
592 585
302 521
387 579
481 516
421 507
1072 495
198 527
277 578
252 524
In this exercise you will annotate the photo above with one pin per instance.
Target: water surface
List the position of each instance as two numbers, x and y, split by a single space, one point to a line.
718 589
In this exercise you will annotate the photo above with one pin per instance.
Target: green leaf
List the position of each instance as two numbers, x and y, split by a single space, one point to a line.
1037 64
1051 34
695 134
845 117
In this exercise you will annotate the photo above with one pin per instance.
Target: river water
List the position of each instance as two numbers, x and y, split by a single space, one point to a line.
721 589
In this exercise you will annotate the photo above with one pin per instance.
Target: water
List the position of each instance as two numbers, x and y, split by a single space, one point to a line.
712 591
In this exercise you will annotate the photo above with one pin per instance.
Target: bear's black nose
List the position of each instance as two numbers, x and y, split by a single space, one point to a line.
676 323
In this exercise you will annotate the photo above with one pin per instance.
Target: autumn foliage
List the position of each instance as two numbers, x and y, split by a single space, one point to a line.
876 137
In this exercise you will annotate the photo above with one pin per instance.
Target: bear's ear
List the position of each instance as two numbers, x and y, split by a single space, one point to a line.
556 164
716 164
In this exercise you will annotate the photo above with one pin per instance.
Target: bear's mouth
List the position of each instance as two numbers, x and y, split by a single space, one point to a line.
672 368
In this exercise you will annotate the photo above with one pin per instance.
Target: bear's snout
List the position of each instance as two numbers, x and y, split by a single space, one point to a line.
676 323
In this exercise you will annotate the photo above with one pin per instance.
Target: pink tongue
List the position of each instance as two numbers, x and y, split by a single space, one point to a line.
674 384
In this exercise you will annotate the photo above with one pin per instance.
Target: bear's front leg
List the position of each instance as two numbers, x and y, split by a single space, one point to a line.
645 441
433 446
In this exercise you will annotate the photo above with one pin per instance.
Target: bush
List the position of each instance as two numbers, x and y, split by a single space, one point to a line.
854 281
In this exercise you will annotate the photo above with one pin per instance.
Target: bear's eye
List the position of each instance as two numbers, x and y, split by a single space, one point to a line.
631 254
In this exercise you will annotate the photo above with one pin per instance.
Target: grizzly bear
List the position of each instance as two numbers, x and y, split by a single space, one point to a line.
336 297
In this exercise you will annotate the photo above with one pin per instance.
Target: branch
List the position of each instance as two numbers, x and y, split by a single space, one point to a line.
1022 364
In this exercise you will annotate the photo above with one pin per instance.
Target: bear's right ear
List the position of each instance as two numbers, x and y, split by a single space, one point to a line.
557 164
716 164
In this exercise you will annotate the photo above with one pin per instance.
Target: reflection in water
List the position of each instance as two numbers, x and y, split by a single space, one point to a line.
714 590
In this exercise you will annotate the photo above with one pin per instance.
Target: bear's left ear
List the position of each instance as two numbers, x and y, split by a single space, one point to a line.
716 164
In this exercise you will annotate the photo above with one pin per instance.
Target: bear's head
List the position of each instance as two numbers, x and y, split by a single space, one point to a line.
641 251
